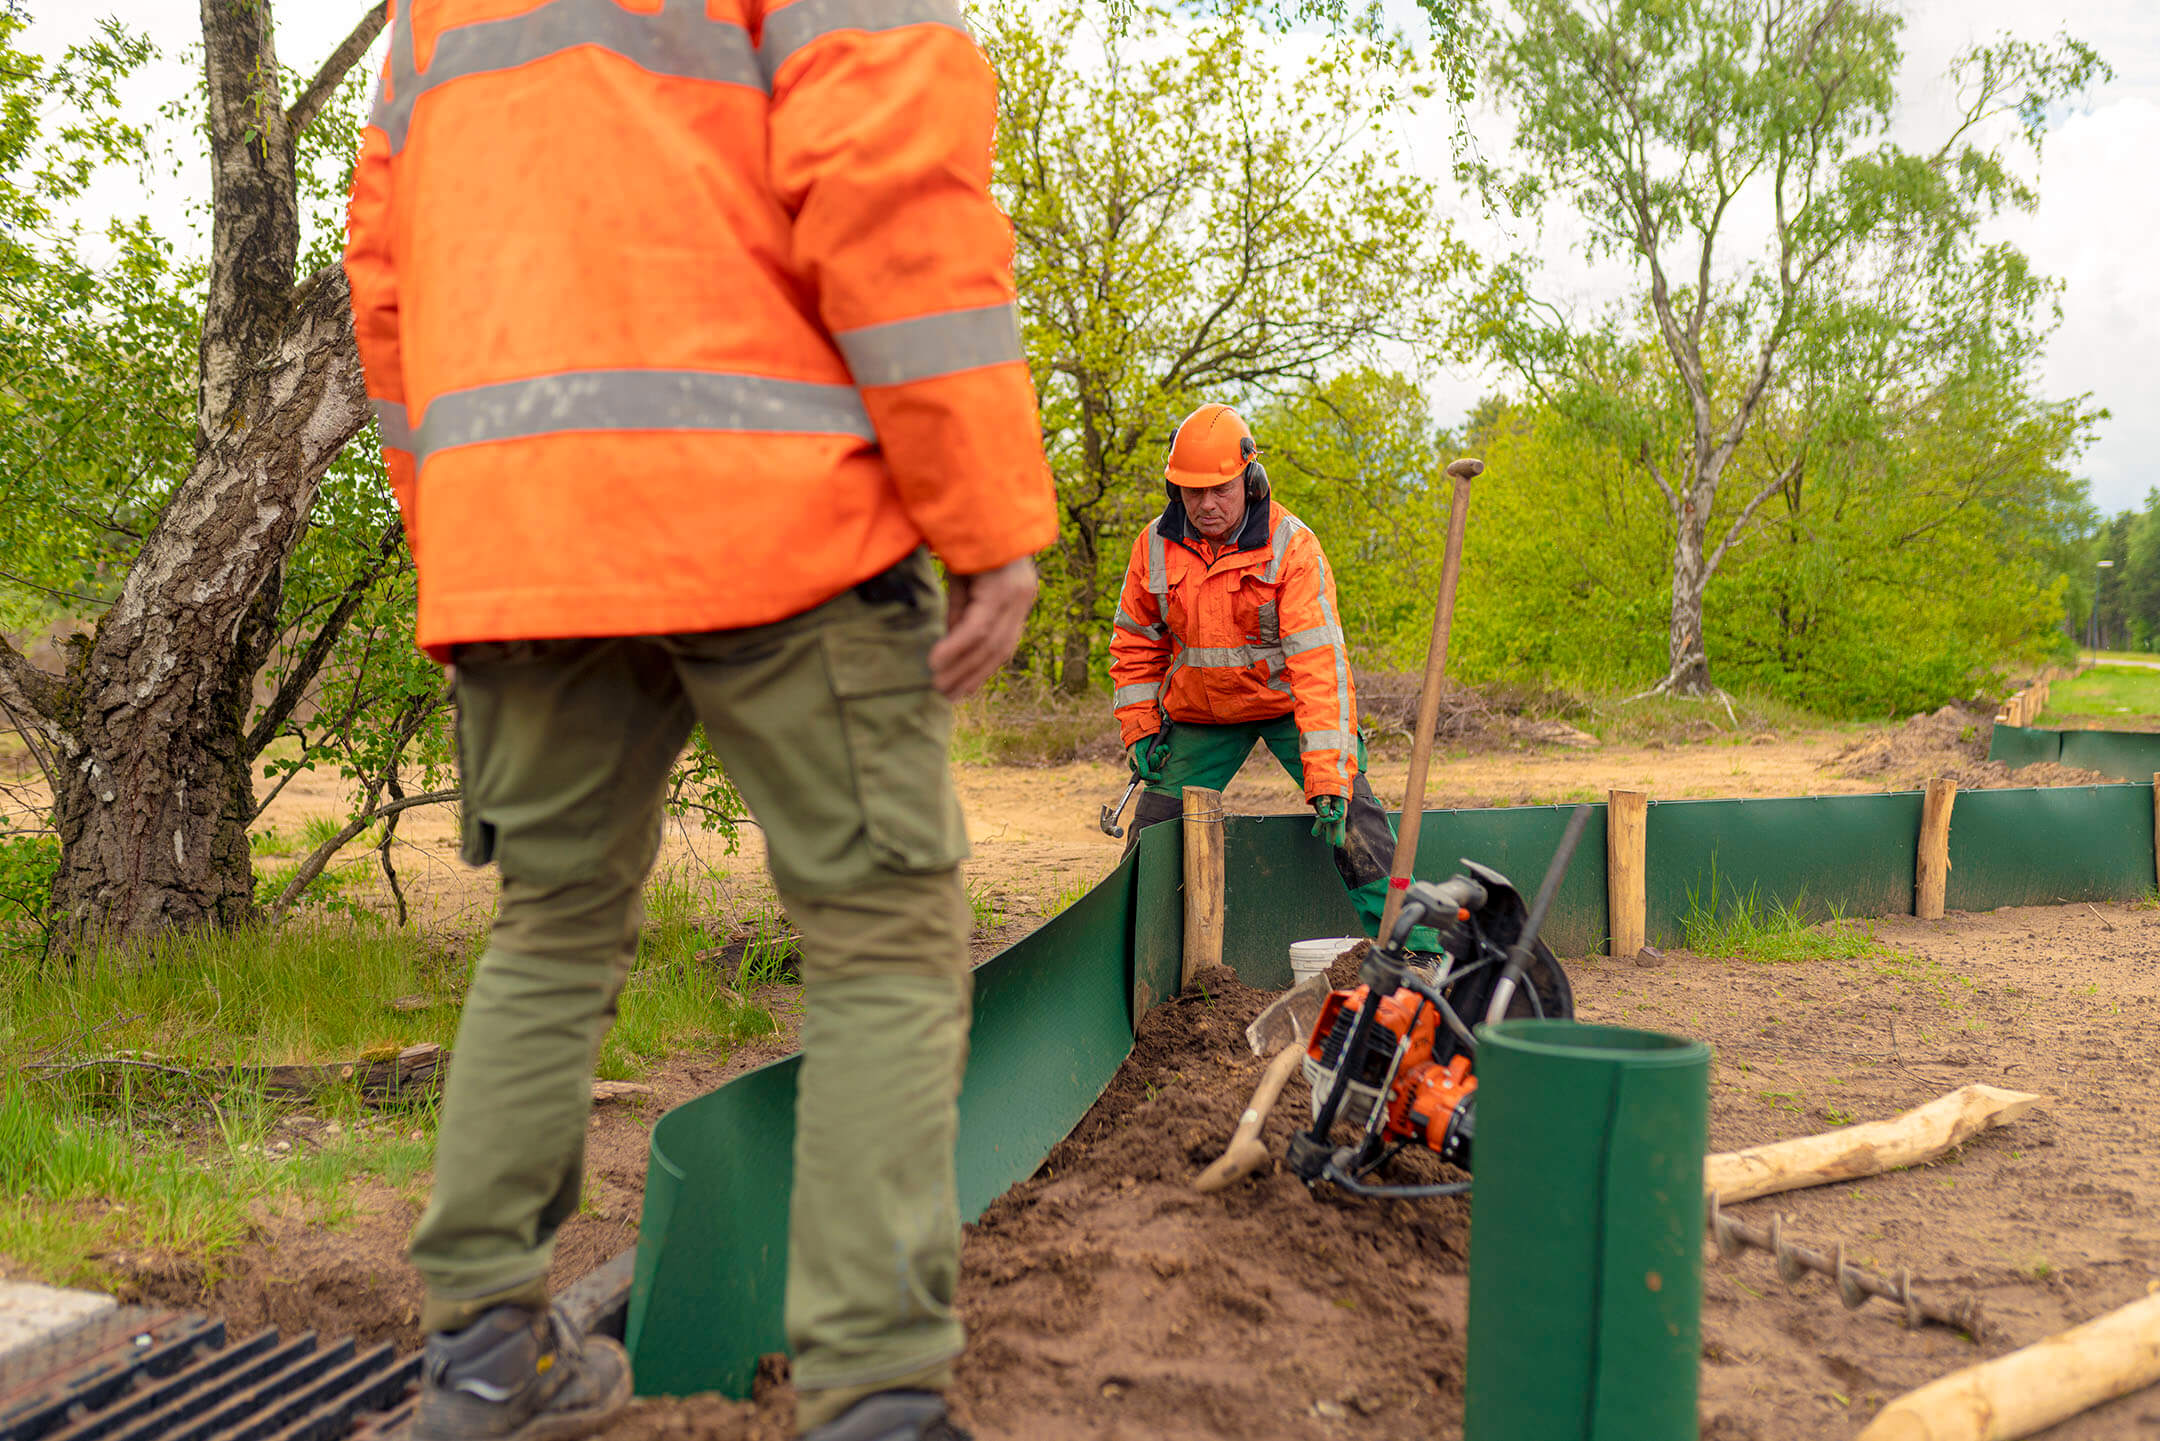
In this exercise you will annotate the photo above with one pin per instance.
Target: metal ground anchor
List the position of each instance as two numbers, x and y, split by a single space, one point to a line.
1854 1285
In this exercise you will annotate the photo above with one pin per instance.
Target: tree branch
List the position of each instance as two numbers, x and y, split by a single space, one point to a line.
326 81
311 661
25 689
305 873
1747 512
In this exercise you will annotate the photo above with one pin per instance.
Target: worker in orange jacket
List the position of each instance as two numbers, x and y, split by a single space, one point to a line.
1228 634
690 331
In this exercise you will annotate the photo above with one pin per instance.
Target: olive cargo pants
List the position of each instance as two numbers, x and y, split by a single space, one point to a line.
828 725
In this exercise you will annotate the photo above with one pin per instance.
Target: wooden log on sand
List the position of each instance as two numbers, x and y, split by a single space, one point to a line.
2033 1389
1847 1154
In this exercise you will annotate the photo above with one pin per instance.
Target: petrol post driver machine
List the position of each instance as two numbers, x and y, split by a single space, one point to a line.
1395 1055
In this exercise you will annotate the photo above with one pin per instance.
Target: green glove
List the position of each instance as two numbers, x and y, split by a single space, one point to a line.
1146 757
1331 819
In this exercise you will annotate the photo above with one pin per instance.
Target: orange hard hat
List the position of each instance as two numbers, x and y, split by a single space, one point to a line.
1212 445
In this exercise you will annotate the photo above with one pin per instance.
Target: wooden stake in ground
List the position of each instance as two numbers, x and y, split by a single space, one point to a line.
1627 903
1931 877
1203 881
2031 1390
1462 472
1919 1135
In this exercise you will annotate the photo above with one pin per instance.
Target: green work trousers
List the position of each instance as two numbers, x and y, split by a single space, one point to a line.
1210 756
828 725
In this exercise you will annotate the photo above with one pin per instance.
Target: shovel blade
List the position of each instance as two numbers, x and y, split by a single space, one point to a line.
1289 1018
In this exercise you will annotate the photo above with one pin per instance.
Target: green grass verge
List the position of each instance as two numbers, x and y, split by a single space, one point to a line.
1747 927
129 1119
2106 690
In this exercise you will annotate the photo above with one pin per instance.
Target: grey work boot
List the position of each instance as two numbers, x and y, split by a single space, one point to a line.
519 1375
892 1416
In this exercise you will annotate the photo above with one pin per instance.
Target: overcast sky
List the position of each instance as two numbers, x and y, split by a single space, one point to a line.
2097 228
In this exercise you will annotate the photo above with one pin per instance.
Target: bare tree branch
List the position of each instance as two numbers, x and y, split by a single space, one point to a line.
326 81
311 661
305 873
1775 484
30 692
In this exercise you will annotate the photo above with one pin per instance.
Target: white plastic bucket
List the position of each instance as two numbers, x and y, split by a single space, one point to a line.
1312 958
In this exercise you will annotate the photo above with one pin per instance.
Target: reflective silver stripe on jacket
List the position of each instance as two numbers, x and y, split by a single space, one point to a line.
791 27
931 345
1298 642
1284 529
679 41
1323 741
602 400
1344 723
1126 695
1158 569
1219 657
390 420
1147 632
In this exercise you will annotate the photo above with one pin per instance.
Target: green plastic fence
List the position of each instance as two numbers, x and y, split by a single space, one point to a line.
1852 854
2043 847
1055 1012
2126 755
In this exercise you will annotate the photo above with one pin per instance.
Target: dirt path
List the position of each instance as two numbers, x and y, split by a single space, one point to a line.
1106 1300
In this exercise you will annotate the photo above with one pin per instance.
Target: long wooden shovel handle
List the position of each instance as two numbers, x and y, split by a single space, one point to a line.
1462 472
1246 1152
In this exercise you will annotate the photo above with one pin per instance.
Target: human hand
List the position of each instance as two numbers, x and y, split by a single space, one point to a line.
983 617
1146 756
1331 819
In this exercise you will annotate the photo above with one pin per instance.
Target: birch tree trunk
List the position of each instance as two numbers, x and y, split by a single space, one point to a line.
144 736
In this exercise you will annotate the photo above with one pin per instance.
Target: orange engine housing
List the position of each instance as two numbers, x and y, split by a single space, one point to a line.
1424 1096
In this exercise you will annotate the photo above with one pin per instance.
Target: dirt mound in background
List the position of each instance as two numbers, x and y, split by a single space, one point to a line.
1951 743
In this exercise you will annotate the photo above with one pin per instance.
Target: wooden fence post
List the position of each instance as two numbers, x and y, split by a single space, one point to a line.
1626 872
1203 882
1932 873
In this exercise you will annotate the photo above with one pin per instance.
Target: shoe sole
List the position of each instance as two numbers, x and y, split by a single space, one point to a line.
573 1425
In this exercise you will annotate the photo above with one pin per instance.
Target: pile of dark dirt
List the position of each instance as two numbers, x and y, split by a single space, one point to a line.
1952 744
1105 1297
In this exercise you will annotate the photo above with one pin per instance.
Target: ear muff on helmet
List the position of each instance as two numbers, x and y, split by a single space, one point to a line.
1256 481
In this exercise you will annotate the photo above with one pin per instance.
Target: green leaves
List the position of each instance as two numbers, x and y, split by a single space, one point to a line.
1813 300
1203 209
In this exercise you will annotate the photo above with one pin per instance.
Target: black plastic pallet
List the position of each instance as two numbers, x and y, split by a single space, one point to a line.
145 1375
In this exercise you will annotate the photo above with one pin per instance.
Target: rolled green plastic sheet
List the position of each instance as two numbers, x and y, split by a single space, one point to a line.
1586 1234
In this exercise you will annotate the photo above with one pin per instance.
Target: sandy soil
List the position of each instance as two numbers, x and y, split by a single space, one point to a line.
1106 1300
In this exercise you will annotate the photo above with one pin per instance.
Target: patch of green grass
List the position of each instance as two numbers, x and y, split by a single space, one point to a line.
2107 692
305 991
679 994
1775 931
1069 897
271 842
987 907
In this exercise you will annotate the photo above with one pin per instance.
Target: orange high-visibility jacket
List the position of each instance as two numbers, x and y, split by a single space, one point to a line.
687 315
1252 635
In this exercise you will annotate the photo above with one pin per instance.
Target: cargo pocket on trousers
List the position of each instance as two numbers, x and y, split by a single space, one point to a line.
899 732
